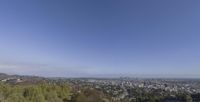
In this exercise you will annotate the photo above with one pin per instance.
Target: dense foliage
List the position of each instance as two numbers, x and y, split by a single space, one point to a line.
34 93
90 95
48 93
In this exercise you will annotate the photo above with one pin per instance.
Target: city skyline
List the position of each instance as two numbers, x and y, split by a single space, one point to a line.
100 38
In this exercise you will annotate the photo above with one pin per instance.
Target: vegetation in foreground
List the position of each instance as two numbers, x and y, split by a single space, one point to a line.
44 92
34 93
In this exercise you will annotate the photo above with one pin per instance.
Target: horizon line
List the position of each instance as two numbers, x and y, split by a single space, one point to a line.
146 76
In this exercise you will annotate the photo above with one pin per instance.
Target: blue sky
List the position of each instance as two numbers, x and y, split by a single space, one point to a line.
81 38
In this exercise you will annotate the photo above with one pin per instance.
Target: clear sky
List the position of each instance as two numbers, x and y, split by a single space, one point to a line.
81 38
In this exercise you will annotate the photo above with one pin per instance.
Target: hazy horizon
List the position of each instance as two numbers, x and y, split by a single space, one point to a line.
75 38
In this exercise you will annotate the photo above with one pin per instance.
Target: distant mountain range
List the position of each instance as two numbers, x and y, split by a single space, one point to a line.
17 79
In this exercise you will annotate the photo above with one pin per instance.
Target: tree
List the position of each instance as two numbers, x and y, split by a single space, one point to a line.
188 98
